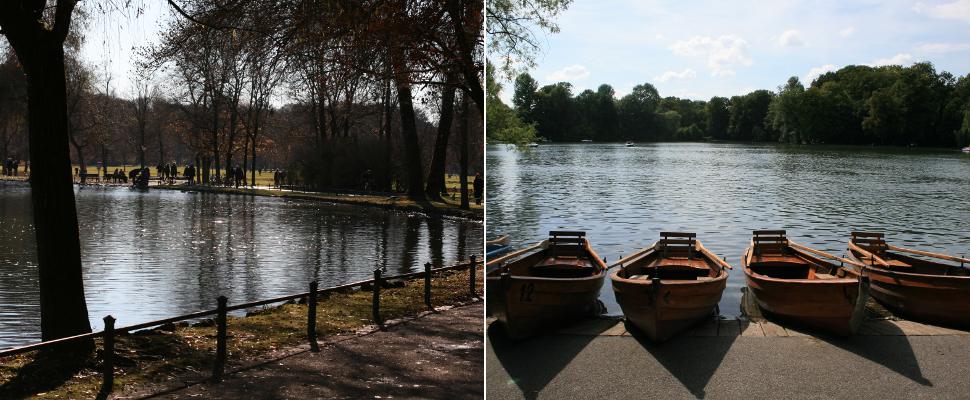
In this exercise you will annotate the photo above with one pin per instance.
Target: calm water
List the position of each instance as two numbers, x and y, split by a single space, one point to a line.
163 253
623 197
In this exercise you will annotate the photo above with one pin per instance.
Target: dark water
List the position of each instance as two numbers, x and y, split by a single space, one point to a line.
623 197
159 254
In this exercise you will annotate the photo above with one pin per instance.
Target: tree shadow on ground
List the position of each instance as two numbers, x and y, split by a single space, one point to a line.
691 362
45 372
529 362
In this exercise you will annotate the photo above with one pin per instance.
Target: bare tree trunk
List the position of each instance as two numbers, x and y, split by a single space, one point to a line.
463 152
409 130
388 146
41 52
436 175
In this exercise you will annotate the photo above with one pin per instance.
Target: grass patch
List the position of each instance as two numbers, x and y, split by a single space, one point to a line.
162 357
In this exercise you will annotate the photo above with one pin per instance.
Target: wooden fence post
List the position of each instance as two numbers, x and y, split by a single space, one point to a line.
221 334
427 285
311 322
377 297
107 356
471 276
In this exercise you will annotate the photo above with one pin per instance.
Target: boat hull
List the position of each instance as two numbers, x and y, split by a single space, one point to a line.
834 305
663 311
936 299
526 306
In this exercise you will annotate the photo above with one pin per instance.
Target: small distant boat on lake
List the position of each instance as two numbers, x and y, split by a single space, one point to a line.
933 288
533 144
794 283
965 149
497 247
667 287
630 144
587 140
545 285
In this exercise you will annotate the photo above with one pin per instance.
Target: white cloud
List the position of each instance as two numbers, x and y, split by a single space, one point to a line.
943 47
848 31
568 74
686 74
898 59
723 52
790 38
816 72
958 10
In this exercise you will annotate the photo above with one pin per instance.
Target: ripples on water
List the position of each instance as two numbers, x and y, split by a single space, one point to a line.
163 253
624 196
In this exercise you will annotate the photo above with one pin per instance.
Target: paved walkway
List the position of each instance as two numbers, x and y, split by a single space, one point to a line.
731 359
438 356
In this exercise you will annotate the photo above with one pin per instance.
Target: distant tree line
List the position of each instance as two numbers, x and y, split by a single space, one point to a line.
886 105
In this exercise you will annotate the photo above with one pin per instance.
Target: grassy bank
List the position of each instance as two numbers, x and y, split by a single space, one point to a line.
452 181
448 207
168 356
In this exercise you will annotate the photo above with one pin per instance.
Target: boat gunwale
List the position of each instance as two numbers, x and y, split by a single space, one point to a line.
646 251
543 245
886 271
746 266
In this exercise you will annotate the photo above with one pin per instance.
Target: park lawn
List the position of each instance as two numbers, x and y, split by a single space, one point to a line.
452 181
156 359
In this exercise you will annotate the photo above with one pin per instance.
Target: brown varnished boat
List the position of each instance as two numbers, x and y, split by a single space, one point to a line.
794 283
669 286
933 288
546 285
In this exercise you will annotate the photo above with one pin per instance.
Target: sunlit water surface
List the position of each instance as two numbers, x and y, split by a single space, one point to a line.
624 196
163 253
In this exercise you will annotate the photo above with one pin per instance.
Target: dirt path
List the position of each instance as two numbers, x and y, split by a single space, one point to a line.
435 356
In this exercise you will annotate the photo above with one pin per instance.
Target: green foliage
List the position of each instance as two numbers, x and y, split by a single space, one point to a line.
889 105
636 113
510 25
718 117
503 124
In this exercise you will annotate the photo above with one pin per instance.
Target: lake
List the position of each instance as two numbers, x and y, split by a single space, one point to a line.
624 196
162 253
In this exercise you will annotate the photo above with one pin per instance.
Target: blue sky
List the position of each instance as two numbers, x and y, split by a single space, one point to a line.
700 49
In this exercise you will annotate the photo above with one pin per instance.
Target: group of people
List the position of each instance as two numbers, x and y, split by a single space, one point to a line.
11 166
167 172
279 178
237 176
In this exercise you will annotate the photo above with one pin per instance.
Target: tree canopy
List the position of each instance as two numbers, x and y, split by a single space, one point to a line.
886 105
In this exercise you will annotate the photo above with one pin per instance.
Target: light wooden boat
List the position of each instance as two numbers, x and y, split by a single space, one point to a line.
933 287
669 286
546 285
497 247
804 286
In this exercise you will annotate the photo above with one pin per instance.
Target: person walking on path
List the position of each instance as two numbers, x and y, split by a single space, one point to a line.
479 186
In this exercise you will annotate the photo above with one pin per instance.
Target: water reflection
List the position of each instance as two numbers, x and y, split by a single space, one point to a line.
624 196
149 255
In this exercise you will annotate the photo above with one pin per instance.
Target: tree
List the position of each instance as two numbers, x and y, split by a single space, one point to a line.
637 113
503 123
718 117
524 96
37 37
510 26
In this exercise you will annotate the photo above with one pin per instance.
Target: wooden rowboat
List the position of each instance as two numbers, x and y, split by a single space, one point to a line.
497 247
934 288
669 286
546 285
794 283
